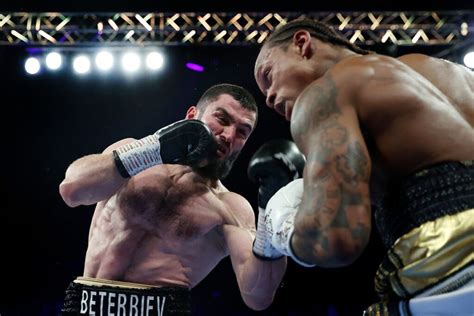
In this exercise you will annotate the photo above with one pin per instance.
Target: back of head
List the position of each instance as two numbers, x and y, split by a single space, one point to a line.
283 35
240 94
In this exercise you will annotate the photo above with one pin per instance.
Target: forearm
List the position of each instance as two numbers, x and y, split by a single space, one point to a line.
332 225
259 280
90 179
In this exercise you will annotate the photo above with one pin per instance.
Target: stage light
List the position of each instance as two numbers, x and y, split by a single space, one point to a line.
104 60
32 65
130 62
154 61
469 59
53 61
81 64
195 67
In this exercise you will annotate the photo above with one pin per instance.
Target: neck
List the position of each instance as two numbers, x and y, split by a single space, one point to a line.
206 178
213 183
345 53
331 57
196 174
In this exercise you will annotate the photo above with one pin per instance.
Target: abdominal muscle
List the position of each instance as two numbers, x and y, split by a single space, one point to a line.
179 250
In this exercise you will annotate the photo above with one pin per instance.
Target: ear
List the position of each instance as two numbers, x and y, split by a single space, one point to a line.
192 113
302 40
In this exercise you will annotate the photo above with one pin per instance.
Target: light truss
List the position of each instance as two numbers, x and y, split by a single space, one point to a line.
144 29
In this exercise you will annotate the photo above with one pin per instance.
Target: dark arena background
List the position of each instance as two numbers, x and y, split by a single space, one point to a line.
51 118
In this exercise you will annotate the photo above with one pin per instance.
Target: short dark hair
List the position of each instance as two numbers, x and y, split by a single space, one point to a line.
240 94
283 35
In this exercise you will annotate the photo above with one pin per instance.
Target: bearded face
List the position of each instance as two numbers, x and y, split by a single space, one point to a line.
218 168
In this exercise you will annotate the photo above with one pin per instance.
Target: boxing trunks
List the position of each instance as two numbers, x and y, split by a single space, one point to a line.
427 222
88 296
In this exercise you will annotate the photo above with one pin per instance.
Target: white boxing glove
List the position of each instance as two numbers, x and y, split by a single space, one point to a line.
280 217
262 245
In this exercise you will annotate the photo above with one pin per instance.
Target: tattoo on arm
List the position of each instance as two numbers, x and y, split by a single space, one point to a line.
353 167
337 193
324 97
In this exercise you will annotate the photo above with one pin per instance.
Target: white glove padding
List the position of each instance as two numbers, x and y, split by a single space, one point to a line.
280 216
262 245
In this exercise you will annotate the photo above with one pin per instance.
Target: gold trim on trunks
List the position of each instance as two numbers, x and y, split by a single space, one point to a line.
120 284
427 255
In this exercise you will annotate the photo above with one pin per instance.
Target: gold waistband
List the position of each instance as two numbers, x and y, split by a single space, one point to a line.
427 255
102 282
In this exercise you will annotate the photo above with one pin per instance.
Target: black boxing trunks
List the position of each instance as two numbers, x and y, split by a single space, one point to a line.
87 296
429 231
442 189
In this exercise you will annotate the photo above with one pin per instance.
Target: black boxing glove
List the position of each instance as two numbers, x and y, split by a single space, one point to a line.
186 142
274 165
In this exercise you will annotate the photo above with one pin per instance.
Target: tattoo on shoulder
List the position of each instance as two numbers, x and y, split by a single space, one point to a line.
318 104
324 97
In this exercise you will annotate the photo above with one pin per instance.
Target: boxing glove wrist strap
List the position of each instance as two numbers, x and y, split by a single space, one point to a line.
262 246
137 156
120 167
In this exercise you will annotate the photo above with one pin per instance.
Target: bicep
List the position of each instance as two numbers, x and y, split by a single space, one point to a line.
238 243
92 178
326 128
239 233
335 203
338 164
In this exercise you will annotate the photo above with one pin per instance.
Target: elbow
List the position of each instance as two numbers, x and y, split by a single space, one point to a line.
346 253
328 251
258 304
343 258
258 307
69 193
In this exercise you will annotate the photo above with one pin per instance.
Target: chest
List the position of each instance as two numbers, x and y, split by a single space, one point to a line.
177 209
189 210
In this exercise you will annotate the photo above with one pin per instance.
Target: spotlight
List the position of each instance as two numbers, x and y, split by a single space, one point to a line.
154 61
130 62
81 64
32 65
53 61
469 59
104 60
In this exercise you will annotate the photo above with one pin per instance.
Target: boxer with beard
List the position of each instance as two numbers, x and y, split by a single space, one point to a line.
163 219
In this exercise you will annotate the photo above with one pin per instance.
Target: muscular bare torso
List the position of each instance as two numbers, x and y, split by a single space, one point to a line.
163 228
431 118
416 110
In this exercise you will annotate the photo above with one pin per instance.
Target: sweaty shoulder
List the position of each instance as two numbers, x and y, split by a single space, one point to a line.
378 82
354 74
237 210
428 64
347 82
459 88
436 69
